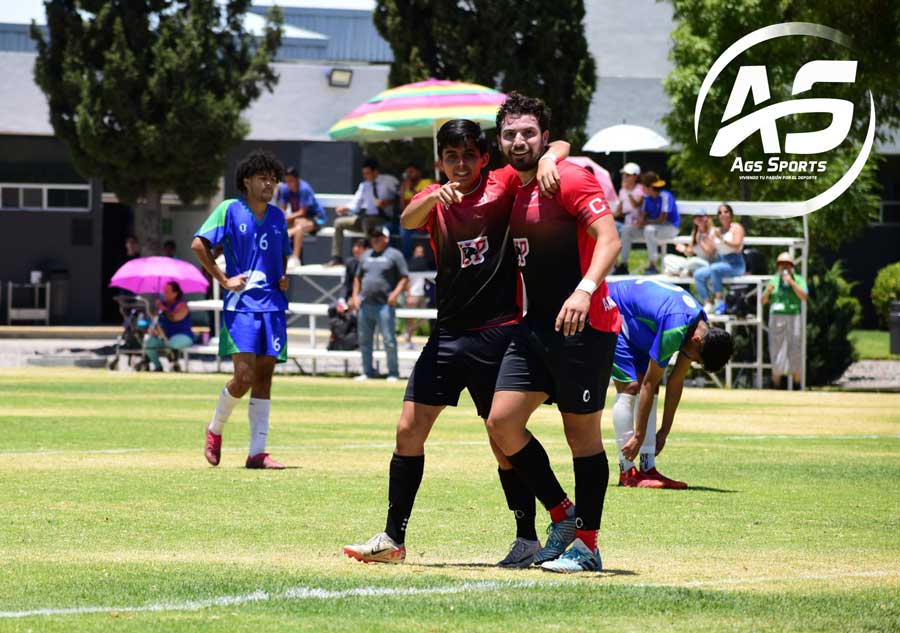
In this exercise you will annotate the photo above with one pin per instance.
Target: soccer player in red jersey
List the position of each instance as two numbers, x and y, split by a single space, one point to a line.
479 304
563 350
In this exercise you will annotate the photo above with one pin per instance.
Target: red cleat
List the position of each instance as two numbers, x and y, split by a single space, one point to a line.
633 478
262 460
213 450
656 476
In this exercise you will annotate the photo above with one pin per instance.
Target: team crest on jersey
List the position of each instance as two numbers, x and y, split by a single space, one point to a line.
472 252
521 244
243 227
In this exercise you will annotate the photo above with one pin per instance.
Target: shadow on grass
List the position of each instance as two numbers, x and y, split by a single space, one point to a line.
710 489
601 574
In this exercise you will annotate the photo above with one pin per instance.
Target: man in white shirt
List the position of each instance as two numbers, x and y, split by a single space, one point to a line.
372 205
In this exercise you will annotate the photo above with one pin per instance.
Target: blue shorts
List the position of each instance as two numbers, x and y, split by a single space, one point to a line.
628 361
260 333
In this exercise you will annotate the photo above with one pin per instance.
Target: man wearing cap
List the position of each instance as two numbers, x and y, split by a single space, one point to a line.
381 277
787 290
659 216
627 212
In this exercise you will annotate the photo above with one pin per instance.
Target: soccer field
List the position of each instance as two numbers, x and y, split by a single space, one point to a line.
112 520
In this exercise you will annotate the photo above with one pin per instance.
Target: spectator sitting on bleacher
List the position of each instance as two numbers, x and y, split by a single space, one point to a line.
412 184
729 240
659 217
372 206
174 325
627 211
303 213
787 290
701 252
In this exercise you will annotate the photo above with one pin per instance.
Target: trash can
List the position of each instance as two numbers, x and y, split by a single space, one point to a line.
894 326
59 293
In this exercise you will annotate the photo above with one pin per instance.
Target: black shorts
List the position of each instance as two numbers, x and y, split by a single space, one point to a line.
452 361
573 370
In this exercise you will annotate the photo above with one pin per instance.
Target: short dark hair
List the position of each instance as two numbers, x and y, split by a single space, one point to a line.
371 163
169 243
458 133
292 171
517 104
361 241
717 348
259 161
648 178
176 288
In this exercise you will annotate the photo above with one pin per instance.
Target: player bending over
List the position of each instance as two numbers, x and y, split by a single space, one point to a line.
563 351
479 305
256 246
658 320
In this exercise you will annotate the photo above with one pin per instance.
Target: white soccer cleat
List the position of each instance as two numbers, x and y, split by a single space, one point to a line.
521 554
381 548
576 559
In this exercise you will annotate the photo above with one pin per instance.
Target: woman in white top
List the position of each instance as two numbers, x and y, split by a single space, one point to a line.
729 240
627 211
700 253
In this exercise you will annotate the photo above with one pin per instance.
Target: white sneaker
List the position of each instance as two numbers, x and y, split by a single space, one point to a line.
293 262
361 377
392 379
521 554
708 308
381 548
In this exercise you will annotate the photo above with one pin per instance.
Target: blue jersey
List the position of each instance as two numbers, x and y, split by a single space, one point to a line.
656 316
255 248
303 197
663 203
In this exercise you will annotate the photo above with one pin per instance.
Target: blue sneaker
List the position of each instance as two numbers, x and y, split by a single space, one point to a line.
651 270
720 308
559 537
576 558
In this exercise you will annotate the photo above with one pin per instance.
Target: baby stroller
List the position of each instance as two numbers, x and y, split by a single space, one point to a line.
136 320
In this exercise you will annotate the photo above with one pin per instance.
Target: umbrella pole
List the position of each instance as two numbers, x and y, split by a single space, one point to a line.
437 173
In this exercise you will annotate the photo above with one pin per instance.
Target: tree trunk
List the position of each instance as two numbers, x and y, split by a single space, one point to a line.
150 234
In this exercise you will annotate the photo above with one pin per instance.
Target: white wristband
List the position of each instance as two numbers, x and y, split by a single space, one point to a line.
549 155
587 286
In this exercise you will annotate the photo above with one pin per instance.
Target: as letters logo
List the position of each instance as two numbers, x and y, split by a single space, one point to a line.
808 148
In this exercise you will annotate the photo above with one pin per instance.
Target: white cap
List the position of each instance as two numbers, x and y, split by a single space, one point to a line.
631 168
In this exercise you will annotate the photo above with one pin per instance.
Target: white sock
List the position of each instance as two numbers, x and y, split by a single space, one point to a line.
623 424
259 425
224 407
648 448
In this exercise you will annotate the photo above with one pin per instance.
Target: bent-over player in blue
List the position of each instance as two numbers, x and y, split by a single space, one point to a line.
658 320
254 238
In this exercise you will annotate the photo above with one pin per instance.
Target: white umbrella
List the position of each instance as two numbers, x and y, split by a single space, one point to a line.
625 138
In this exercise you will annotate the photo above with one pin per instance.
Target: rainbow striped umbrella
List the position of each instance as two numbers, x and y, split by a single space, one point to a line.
417 110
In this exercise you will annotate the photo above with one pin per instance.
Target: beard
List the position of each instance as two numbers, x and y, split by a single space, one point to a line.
524 163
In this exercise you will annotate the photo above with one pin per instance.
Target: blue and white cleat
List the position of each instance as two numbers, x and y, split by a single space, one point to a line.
559 537
577 558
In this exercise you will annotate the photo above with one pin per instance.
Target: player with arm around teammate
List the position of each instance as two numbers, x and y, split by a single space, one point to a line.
254 236
479 304
658 321
563 351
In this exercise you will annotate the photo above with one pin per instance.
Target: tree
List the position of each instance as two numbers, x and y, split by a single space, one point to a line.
534 46
705 28
147 94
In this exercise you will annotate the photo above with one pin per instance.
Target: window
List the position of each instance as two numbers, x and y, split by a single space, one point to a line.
45 197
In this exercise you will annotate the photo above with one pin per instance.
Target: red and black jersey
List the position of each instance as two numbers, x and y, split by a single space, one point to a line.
478 283
554 248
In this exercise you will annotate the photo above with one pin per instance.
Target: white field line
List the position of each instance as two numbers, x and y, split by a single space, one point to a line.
388 445
767 579
294 593
314 593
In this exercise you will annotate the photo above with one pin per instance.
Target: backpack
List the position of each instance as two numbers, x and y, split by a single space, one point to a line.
343 330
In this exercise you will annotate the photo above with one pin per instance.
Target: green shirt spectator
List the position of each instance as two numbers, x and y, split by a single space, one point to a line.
783 298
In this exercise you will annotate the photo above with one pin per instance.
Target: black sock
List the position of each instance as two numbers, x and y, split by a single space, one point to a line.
533 466
406 475
520 500
591 479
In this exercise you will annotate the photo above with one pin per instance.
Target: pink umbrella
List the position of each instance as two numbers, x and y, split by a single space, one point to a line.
600 174
150 274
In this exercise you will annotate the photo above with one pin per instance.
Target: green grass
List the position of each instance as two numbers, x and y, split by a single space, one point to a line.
793 522
873 345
